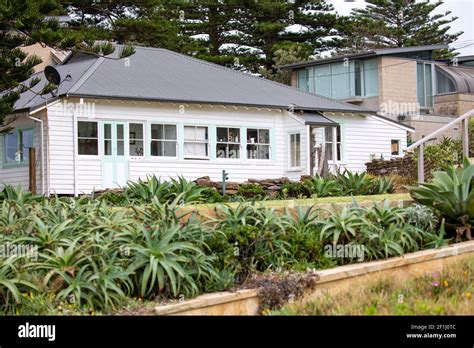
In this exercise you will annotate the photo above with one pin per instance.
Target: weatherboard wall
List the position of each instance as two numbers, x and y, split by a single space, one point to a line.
89 168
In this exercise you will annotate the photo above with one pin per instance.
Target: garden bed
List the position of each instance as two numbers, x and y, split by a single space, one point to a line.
331 281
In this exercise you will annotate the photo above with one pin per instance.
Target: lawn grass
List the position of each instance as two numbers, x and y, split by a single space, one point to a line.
447 293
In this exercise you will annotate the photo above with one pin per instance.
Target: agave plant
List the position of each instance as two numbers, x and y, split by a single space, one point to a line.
321 187
451 194
11 282
143 191
353 183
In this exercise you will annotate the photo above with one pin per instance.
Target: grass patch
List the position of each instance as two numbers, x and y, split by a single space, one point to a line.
447 293
314 201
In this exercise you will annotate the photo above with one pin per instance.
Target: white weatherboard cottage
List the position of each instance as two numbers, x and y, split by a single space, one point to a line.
165 114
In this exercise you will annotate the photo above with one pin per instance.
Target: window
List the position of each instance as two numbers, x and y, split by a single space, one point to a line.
87 138
444 84
345 80
17 144
258 143
196 142
424 84
332 136
228 142
302 79
136 139
395 147
295 150
163 140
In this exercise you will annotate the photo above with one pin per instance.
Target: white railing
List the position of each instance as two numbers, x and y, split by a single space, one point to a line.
463 120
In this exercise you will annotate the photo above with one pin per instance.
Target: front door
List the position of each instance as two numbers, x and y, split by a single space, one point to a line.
114 161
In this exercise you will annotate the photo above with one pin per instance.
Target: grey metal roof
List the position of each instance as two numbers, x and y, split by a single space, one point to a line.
163 75
462 76
367 54
316 119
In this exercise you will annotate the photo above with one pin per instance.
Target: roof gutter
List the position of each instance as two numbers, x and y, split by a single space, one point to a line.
285 107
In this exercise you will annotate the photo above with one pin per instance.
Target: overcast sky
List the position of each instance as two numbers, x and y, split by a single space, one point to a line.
464 9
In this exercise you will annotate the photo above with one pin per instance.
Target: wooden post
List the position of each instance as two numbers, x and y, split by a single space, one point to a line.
465 137
421 164
32 169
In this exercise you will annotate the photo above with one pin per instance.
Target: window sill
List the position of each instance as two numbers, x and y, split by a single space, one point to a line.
294 169
196 158
15 165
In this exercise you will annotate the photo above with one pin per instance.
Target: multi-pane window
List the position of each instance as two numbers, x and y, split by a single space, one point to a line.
87 138
196 142
136 139
332 138
395 147
258 143
343 80
163 140
295 150
17 144
228 142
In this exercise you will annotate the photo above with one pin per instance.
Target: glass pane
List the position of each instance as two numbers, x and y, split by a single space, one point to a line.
27 138
322 77
136 149
221 151
395 147
233 151
120 132
107 147
329 152
136 131
88 146
169 148
87 129
264 136
252 151
252 136
358 78
371 78
338 134
120 147
222 135
157 131
189 149
11 147
234 135
340 84
420 78
302 79
189 133
328 134
156 148
107 131
170 132
429 85
201 133
339 152
263 152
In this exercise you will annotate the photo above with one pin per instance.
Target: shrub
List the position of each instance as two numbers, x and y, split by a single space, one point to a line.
421 217
252 191
294 190
450 193
446 153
